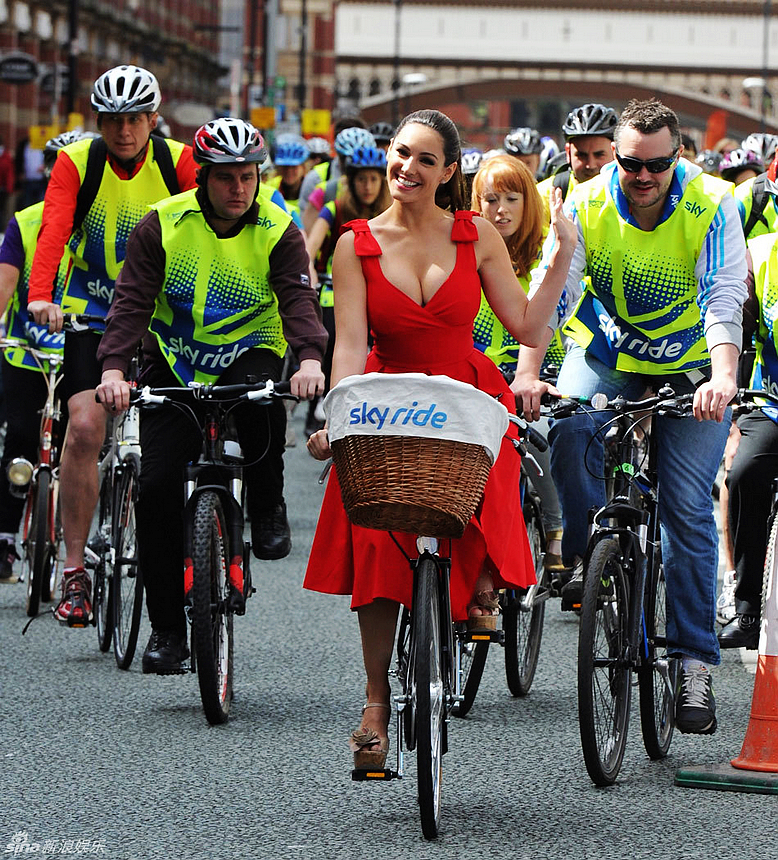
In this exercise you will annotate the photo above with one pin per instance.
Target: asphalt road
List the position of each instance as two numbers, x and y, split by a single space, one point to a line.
124 766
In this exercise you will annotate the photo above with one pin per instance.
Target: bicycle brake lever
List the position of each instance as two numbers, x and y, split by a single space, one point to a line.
325 471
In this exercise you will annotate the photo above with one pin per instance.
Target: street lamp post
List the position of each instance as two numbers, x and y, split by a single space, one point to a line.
396 78
765 55
72 56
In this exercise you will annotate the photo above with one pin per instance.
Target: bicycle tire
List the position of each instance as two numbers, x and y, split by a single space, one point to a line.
36 544
49 584
126 582
524 627
102 585
603 670
771 559
473 661
657 674
428 694
211 622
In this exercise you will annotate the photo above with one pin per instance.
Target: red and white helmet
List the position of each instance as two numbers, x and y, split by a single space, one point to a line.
229 140
126 89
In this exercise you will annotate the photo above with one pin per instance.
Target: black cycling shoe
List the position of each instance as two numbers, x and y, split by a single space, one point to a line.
741 632
572 590
165 653
271 537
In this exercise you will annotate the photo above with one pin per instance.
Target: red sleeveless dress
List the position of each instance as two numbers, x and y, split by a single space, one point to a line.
436 338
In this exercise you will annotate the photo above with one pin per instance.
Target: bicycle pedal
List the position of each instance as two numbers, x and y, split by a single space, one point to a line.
384 775
497 636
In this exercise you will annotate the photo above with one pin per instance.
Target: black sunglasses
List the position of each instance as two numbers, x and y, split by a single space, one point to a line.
653 165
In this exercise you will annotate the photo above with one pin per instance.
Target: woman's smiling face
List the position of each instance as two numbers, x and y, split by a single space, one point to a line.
416 164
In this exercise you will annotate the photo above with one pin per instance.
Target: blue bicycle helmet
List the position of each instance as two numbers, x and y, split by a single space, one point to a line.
291 151
366 157
350 138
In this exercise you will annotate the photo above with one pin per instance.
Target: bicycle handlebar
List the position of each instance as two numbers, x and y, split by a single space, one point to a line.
148 396
745 400
664 402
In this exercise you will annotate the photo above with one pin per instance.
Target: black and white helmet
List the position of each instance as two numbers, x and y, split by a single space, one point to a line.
523 141
126 89
590 120
764 145
229 140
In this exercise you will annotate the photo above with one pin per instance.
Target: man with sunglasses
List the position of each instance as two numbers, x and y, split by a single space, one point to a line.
663 248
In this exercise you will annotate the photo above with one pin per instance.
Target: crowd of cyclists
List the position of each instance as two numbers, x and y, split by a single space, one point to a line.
218 257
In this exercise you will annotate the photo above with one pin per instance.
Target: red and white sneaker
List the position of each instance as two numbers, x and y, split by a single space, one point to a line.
75 606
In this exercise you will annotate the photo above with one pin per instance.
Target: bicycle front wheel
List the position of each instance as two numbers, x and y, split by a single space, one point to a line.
658 673
428 693
36 541
126 582
603 665
211 622
523 625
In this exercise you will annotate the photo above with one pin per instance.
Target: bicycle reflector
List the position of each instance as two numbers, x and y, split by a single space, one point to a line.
19 472
600 401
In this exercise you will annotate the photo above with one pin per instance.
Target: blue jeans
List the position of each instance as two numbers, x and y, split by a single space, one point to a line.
690 452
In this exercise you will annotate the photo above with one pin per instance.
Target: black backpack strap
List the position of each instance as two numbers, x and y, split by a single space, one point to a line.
95 165
562 180
165 163
759 199
93 176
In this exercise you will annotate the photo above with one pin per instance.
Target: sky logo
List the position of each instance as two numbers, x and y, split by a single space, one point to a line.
379 416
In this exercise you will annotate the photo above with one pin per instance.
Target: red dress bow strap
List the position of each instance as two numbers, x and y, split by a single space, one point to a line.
365 243
464 230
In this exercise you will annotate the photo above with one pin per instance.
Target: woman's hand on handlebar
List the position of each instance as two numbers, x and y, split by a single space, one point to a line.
114 391
47 313
319 445
309 379
528 391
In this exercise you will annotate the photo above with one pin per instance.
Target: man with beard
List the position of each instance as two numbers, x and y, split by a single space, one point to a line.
664 251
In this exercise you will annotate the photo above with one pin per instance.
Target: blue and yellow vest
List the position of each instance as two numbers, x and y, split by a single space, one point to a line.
764 253
217 301
97 248
18 323
491 337
640 313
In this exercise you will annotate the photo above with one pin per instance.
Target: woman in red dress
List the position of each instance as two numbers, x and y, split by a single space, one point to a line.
414 275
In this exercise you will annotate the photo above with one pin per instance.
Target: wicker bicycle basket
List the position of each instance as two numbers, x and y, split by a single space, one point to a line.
412 483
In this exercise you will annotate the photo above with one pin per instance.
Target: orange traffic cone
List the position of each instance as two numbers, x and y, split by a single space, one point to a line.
760 747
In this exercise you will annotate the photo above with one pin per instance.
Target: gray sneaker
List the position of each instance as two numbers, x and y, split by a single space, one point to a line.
695 706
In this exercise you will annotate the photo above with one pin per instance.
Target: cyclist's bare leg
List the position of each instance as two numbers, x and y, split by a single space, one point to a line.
78 472
377 623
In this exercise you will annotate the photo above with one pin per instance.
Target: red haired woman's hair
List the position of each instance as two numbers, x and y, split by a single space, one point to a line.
504 173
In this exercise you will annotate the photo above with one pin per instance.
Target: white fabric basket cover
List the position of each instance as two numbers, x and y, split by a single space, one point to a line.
414 404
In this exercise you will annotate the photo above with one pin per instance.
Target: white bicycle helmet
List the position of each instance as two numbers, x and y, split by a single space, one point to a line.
764 145
471 161
318 146
126 89
229 140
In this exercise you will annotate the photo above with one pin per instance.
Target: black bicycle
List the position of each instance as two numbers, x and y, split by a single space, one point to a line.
522 610
217 573
623 621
